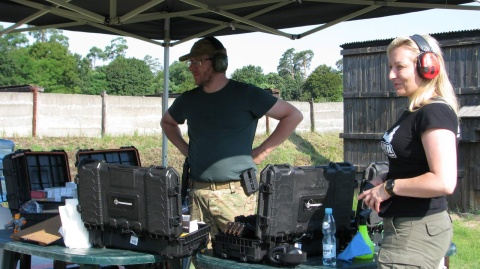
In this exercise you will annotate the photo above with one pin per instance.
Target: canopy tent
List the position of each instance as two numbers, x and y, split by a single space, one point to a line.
172 22
183 20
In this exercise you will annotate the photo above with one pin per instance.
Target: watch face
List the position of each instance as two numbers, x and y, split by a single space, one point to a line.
389 184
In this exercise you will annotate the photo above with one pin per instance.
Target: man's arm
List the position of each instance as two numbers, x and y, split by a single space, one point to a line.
289 117
173 133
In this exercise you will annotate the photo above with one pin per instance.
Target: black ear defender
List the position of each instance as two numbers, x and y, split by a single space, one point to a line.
219 60
428 66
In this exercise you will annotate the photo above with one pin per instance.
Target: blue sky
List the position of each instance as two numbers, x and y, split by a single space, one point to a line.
265 50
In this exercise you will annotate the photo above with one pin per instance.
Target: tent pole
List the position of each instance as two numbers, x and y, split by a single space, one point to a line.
166 75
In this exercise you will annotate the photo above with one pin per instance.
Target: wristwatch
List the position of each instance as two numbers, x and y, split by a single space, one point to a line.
388 186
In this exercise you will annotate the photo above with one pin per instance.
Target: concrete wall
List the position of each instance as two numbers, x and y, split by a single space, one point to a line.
16 110
60 115
69 115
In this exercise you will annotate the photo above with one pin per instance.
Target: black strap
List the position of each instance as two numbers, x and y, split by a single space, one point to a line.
421 43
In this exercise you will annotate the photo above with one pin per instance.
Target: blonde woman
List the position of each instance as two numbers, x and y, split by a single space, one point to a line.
422 152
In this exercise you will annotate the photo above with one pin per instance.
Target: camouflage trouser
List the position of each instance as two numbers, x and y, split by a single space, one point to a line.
218 207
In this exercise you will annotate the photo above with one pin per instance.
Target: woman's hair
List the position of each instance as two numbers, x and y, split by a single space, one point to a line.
440 86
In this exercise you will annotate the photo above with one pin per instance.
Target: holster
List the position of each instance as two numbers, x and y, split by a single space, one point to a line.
249 181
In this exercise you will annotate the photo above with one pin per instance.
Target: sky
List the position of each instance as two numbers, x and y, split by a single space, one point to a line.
265 50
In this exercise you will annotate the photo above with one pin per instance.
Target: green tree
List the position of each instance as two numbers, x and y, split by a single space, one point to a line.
154 64
274 80
251 74
291 89
293 67
12 41
158 83
54 68
85 74
98 81
13 58
286 64
94 55
302 62
339 65
49 35
129 77
181 80
323 85
295 64
118 47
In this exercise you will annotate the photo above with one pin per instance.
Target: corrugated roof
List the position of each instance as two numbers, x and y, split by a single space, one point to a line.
21 88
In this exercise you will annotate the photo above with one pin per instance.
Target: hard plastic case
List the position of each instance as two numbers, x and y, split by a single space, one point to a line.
292 200
373 170
291 207
127 155
243 249
141 199
25 171
170 248
283 254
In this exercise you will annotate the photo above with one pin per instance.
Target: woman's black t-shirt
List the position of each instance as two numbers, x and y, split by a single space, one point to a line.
402 144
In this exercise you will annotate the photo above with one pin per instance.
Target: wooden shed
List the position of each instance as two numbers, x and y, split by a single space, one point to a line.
371 105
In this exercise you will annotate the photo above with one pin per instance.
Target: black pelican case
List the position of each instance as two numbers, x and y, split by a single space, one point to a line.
127 155
120 197
291 207
292 200
25 171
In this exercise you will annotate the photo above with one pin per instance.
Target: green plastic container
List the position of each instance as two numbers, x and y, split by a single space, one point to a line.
362 229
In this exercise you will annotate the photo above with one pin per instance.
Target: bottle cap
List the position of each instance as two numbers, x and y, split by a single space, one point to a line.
328 210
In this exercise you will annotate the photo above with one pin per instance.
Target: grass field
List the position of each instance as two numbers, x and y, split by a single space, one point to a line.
298 150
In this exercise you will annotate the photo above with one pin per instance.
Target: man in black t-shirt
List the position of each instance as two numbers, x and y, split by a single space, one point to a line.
222 117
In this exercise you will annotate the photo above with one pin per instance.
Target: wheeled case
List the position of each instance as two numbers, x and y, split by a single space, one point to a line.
119 197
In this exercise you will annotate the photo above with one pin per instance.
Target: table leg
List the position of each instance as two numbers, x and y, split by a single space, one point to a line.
186 262
10 259
59 264
25 261
174 264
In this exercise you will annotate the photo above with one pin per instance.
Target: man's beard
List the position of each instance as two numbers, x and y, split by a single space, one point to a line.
206 80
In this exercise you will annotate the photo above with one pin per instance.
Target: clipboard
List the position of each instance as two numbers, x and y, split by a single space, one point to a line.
43 233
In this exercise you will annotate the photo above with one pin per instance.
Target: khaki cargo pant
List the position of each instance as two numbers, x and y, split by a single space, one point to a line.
415 242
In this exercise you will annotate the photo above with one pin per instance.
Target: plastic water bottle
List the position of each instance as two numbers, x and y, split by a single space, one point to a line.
329 241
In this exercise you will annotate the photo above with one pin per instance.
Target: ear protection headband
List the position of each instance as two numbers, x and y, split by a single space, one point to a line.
219 60
428 66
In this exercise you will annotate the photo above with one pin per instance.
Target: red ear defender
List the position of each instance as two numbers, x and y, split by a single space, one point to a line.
428 66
